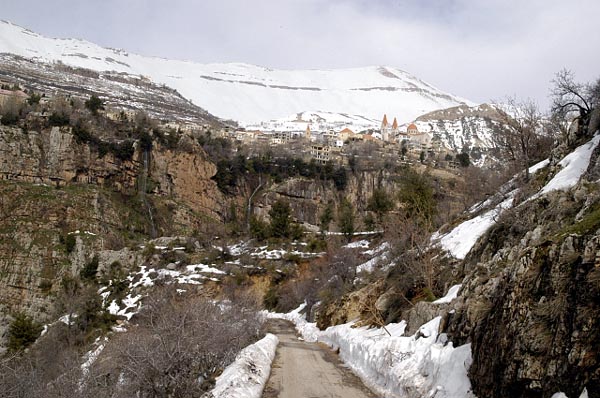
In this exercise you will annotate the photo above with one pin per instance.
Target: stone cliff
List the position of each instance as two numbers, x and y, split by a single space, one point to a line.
53 186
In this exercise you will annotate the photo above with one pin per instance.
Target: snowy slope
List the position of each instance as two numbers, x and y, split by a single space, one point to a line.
248 93
463 126
461 239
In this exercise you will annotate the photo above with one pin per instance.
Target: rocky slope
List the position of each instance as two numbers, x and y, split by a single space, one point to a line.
120 91
530 292
54 186
464 128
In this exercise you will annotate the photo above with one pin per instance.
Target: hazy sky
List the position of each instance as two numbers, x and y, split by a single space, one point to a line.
480 50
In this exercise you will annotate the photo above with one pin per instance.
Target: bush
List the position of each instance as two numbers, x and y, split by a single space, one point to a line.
271 298
9 119
94 104
346 219
463 159
34 98
58 119
69 241
259 229
380 203
89 271
22 332
280 214
177 341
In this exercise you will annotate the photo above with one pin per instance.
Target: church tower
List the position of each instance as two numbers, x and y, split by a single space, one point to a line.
385 129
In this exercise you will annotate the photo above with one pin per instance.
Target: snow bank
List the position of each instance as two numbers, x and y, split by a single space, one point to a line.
461 239
422 365
584 394
247 376
574 165
401 366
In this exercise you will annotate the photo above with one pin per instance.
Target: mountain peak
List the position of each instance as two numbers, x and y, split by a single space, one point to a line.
244 92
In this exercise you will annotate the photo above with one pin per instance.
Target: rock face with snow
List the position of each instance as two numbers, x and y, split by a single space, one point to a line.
463 128
119 91
528 305
52 185
248 93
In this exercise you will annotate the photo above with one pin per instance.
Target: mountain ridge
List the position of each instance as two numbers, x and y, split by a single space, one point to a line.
245 92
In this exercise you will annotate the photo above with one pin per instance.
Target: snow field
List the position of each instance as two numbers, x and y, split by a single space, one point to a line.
248 93
462 238
247 376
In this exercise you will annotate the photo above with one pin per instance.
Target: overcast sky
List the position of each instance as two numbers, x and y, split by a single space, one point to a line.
478 49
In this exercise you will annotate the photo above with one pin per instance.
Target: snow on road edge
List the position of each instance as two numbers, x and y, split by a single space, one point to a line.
425 364
247 376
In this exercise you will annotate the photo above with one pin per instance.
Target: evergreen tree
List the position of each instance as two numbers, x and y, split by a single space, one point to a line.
22 332
94 104
280 214
326 218
380 203
346 218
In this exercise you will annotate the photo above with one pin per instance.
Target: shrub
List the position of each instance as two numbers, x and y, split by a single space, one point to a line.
380 203
89 271
22 332
58 119
271 298
463 159
69 241
94 104
178 340
346 218
34 98
259 229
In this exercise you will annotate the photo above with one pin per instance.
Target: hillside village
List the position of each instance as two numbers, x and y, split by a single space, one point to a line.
320 142
323 144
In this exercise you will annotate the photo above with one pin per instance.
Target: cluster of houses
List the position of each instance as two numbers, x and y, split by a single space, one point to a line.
326 145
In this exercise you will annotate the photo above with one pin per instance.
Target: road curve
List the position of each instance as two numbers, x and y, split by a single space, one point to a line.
308 370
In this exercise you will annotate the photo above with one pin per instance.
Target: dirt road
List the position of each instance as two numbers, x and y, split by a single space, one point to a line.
308 370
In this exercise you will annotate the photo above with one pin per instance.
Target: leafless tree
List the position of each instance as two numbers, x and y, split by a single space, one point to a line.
523 134
179 343
568 95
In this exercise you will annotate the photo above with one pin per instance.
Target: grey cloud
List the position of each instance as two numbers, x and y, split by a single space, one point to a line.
480 50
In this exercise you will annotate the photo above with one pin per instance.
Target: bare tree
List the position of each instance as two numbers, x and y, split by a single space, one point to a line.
180 343
522 134
568 95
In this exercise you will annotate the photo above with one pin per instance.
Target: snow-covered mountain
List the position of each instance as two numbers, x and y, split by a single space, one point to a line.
248 93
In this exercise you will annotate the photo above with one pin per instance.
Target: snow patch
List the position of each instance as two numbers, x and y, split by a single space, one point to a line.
574 165
461 239
451 295
362 244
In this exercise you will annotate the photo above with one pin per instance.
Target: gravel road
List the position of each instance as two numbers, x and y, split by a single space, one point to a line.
308 370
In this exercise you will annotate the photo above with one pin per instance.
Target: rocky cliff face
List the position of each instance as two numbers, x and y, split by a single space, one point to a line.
529 302
308 198
530 305
53 187
53 156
